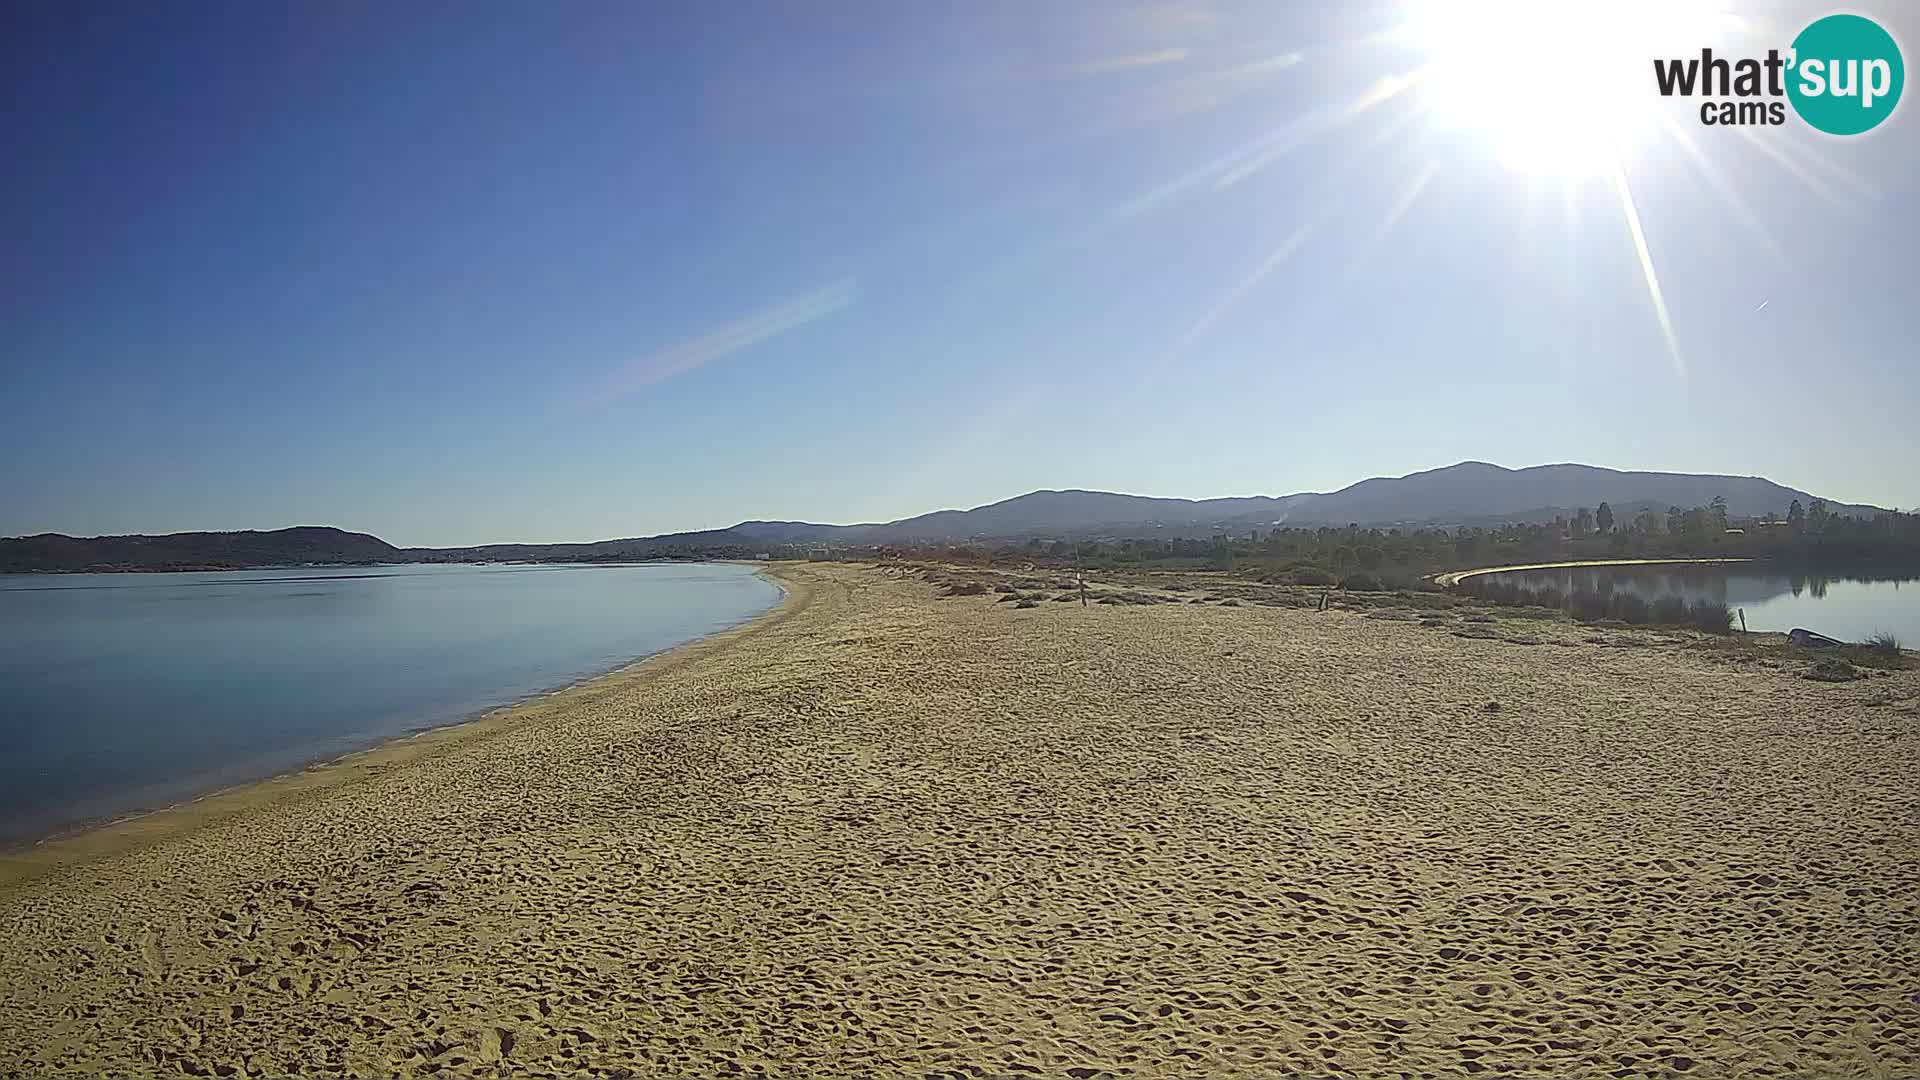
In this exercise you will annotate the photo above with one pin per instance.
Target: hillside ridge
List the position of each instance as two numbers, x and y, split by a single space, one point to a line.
1467 492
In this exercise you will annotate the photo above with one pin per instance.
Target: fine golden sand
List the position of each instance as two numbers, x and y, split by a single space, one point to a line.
883 834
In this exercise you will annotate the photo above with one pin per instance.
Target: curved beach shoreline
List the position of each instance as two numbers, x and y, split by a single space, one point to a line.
110 835
882 833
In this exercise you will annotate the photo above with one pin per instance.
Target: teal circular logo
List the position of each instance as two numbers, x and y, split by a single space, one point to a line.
1846 76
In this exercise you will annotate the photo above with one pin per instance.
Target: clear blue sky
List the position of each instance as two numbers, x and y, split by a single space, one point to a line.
460 273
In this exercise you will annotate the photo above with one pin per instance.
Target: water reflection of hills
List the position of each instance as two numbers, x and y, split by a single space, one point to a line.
1691 582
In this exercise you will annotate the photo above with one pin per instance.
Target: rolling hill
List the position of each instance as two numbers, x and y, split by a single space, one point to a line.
1471 492
1477 489
193 550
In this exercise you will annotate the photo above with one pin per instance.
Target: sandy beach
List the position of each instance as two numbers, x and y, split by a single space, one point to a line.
881 832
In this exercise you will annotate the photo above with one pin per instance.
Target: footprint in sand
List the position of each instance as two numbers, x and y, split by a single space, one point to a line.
153 955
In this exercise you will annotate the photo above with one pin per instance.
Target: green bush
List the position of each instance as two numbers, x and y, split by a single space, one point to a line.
1710 616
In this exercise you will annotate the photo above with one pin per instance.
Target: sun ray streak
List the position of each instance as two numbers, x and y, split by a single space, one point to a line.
1836 172
1164 100
1632 214
768 322
1229 167
1243 161
1295 136
1799 172
1389 87
1408 196
1729 194
1111 64
1239 292
1225 170
1403 203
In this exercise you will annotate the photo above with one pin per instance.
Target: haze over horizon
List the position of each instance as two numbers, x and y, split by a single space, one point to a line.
608 271
1566 498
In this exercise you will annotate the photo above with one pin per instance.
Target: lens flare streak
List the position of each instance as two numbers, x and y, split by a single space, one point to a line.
1632 214
1238 293
769 322
1729 195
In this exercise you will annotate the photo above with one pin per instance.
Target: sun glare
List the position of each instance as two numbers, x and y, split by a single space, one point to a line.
1551 86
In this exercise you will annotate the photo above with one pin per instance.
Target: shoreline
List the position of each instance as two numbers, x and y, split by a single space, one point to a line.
113 834
1454 577
587 564
886 832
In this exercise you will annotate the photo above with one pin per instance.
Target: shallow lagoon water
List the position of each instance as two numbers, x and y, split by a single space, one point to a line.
1850 609
121 692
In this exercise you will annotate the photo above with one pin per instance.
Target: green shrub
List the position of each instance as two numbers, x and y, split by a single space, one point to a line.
1710 616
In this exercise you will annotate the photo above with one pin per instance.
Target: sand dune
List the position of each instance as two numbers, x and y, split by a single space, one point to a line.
886 834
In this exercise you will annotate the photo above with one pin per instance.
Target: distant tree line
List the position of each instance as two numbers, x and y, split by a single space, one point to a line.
1400 557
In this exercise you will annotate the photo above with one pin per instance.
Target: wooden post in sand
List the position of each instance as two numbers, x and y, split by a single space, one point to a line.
1743 620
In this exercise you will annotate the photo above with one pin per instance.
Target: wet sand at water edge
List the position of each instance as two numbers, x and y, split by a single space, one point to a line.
885 833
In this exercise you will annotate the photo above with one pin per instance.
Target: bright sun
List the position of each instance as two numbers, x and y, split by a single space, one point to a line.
1556 87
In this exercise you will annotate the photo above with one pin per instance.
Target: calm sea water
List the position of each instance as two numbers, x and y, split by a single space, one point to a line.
1850 609
121 692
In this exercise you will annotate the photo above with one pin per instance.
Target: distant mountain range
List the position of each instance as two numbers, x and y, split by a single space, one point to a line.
1471 492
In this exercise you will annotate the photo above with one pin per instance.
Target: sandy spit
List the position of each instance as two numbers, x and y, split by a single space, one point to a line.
879 833
1454 577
